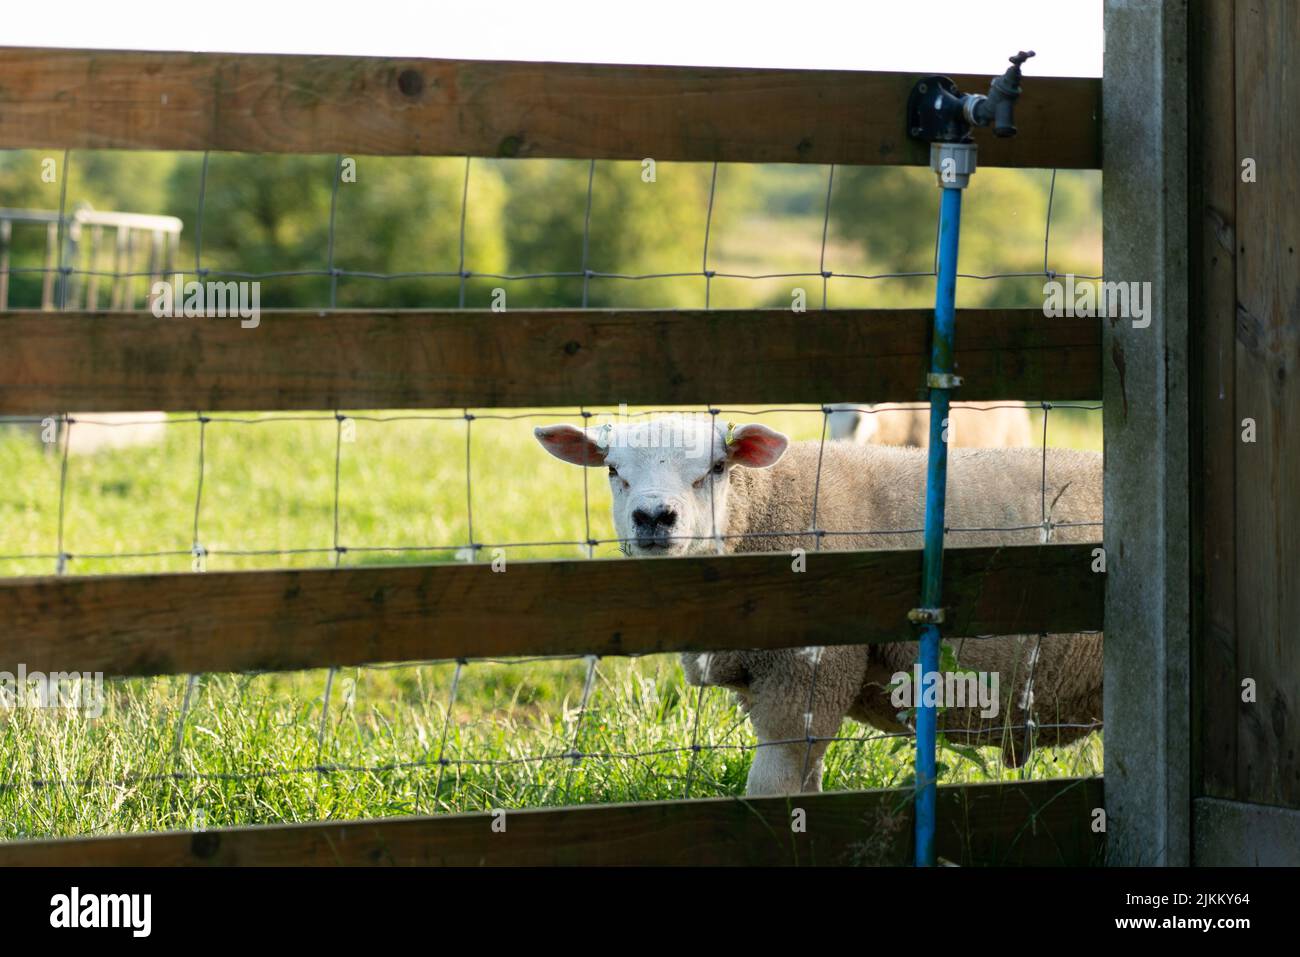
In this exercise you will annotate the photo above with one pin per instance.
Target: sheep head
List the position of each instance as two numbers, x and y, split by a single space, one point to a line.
669 476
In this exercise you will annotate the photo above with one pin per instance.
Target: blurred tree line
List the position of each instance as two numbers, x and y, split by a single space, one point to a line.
271 214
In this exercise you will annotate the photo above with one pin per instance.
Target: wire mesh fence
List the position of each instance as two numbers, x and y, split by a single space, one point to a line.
448 754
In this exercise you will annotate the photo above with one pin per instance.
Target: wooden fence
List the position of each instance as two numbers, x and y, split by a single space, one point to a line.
177 624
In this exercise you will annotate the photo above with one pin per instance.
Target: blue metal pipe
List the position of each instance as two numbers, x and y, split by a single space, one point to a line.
936 486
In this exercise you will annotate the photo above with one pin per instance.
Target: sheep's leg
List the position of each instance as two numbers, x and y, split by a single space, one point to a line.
796 694
779 768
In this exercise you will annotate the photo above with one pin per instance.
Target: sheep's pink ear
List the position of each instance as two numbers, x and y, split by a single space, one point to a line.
755 446
570 444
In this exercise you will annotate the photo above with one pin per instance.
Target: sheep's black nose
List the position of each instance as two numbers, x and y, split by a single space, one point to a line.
663 517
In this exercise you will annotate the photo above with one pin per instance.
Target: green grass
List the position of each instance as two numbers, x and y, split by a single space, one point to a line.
250 746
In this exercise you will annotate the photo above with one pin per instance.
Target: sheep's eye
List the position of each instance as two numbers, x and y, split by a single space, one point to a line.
719 468
613 471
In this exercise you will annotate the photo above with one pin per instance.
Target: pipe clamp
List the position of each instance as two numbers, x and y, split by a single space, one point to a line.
942 380
926 616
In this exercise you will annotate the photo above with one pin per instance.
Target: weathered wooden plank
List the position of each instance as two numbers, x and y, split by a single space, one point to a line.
1213 223
101 362
284 620
1236 834
1022 823
100 99
1267 38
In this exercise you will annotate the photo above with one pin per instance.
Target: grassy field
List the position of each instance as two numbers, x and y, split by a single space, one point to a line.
260 492
264 748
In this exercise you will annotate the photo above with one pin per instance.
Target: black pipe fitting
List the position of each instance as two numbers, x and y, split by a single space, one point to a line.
938 113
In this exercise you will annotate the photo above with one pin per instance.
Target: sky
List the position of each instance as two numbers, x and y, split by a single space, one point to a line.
941 36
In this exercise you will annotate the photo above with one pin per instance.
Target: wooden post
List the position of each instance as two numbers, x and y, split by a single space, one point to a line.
6 234
121 261
92 283
51 265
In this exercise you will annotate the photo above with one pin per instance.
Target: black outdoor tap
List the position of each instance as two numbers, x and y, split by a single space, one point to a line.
938 113
997 107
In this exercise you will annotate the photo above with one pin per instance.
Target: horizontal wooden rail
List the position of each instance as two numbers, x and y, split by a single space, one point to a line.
110 99
285 620
1013 823
100 362
1238 834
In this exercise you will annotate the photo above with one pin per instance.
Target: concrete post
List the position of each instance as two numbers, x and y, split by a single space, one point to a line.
1147 646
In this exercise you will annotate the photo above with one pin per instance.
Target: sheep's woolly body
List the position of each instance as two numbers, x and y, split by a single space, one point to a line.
971 425
871 490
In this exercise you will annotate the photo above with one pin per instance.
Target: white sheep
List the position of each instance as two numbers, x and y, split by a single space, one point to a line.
683 485
971 425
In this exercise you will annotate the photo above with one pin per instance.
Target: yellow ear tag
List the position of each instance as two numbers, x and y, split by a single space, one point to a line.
731 432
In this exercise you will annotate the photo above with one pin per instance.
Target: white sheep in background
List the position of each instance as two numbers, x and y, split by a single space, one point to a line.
677 482
971 425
